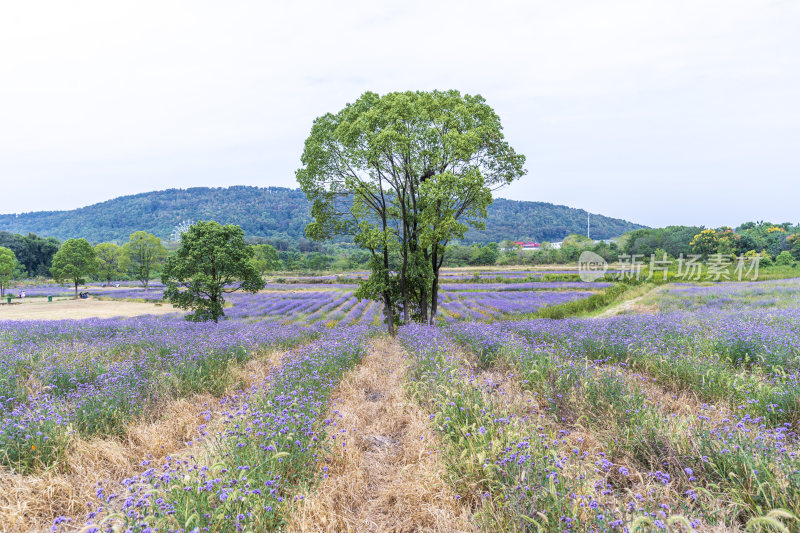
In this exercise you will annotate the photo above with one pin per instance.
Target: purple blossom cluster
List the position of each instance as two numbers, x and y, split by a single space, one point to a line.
743 296
94 376
732 452
509 456
480 305
266 451
526 286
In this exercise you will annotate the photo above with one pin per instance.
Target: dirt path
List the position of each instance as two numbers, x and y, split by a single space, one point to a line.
40 309
382 474
633 306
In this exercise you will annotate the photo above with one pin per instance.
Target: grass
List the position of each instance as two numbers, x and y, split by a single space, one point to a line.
733 458
683 420
268 449
382 472
594 304
66 389
519 473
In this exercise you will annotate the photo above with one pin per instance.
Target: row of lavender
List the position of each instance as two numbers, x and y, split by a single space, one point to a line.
730 296
519 471
340 307
94 376
267 449
741 446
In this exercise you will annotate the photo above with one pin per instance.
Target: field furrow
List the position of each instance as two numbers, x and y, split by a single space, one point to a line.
382 472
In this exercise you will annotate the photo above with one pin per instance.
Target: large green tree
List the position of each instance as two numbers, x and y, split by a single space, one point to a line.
8 265
213 260
75 260
404 174
108 261
143 256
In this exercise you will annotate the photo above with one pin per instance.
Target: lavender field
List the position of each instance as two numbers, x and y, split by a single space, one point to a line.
334 304
685 419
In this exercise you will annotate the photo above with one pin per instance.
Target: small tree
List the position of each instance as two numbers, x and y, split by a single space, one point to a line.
213 260
74 260
705 242
265 258
108 256
784 259
143 256
8 265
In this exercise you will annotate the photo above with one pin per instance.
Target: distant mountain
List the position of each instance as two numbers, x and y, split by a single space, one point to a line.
277 212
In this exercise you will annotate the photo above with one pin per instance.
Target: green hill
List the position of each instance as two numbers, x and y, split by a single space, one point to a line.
277 212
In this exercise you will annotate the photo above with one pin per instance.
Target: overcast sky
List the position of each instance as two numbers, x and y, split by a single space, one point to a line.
669 112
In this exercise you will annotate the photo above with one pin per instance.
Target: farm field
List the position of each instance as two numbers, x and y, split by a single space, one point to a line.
297 413
323 300
280 268
60 309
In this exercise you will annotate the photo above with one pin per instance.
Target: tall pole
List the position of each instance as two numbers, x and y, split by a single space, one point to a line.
588 217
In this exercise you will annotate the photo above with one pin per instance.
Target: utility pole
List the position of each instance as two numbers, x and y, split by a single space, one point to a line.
588 217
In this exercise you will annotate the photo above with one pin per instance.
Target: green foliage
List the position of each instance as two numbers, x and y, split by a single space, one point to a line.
108 261
265 258
142 256
403 174
75 260
542 221
317 261
8 266
784 259
34 253
705 243
276 213
673 239
770 238
577 240
582 306
213 260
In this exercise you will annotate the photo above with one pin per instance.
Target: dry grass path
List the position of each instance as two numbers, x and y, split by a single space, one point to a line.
41 309
633 306
382 473
29 503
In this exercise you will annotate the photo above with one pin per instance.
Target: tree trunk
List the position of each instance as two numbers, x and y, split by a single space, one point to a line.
76 289
435 266
434 298
389 313
423 309
404 289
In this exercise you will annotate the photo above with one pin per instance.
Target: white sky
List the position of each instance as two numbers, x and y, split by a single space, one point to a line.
669 112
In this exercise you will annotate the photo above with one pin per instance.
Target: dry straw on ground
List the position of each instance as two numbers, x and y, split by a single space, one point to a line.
39 309
382 474
30 503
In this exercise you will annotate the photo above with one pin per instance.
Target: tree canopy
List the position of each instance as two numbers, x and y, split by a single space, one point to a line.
142 256
8 266
265 258
34 253
404 174
212 260
75 260
108 261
